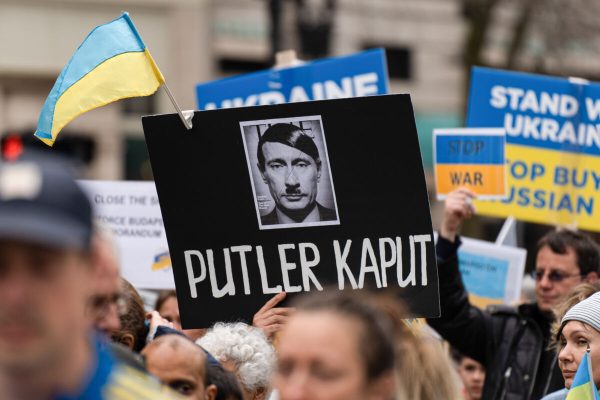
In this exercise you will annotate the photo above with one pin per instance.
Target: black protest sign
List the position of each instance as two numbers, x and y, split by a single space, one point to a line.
296 198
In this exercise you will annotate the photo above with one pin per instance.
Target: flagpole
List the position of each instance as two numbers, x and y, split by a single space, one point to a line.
187 121
591 376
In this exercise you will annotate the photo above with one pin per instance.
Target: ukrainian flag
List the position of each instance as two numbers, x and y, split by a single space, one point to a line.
583 387
161 261
112 63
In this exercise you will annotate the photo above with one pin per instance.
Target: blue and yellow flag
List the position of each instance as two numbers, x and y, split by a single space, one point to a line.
112 63
161 261
583 387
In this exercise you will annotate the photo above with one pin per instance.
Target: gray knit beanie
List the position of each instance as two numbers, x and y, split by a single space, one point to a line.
587 311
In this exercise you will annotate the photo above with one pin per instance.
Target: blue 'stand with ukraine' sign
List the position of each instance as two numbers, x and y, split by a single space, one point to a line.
553 144
361 74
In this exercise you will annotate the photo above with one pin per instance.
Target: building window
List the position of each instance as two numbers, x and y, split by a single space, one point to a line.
240 66
398 61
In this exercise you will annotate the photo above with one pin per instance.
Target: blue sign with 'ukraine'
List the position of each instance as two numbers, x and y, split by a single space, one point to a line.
361 74
552 144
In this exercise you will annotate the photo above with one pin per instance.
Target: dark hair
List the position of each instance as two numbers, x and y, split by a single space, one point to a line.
586 250
456 355
133 320
163 296
378 330
289 135
225 381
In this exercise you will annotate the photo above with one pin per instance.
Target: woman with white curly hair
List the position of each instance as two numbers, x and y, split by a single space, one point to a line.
245 351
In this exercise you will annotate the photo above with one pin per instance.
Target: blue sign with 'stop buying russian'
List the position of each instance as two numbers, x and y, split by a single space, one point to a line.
552 144
360 74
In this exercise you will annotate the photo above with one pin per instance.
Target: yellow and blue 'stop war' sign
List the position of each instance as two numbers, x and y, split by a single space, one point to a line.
552 145
472 158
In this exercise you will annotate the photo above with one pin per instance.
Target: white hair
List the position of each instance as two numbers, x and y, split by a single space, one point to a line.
247 347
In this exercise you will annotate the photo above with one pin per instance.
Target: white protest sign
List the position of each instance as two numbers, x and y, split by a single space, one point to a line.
131 210
492 274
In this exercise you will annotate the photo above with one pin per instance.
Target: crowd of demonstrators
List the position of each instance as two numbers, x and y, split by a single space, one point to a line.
72 328
511 343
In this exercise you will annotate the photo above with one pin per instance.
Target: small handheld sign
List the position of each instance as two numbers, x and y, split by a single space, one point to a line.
472 158
492 274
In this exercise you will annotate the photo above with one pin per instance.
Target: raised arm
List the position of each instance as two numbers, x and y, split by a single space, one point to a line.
466 327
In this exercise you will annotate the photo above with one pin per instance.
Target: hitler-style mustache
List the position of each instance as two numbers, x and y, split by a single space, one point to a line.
293 190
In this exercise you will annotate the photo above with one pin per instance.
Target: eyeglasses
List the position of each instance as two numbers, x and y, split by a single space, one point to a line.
553 276
100 304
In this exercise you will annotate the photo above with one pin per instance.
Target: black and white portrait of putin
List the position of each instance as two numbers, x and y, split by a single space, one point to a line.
289 163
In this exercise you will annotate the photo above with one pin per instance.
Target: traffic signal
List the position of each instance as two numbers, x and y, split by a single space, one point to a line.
74 147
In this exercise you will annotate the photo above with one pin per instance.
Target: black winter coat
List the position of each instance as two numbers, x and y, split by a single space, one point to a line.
510 342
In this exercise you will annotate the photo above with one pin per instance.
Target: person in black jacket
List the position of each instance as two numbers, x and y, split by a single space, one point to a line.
512 343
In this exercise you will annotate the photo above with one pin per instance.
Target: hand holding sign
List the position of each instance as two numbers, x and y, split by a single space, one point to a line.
457 207
270 318
154 321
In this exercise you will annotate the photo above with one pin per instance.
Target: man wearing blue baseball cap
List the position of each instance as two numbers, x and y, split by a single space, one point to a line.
47 348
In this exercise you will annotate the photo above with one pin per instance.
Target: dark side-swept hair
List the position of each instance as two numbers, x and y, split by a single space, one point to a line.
586 250
225 381
289 135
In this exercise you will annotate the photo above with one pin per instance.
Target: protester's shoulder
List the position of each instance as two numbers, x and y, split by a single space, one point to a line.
518 314
128 382
503 310
522 310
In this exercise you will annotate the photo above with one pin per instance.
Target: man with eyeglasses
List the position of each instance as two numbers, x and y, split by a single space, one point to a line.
511 343
105 302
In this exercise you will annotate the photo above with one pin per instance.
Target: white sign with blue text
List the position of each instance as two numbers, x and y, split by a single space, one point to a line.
492 274
130 210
